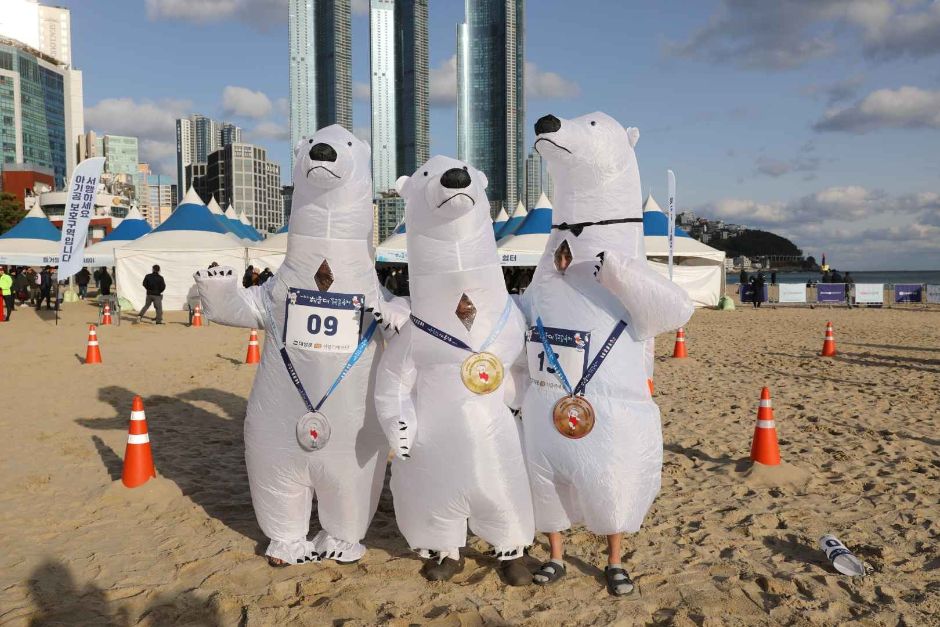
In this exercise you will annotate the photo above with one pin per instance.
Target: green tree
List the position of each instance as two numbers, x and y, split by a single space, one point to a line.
11 211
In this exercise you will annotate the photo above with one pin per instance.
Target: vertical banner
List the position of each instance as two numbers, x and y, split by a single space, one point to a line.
671 186
79 207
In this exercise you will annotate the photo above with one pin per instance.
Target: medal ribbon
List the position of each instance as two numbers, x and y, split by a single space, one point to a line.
443 336
592 368
295 378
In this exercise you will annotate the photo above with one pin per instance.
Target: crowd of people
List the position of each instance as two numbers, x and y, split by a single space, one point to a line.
757 283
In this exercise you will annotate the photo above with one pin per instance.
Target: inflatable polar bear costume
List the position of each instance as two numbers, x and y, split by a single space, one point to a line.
331 224
458 454
607 479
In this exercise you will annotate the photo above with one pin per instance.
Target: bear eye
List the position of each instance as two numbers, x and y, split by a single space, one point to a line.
593 123
425 173
349 143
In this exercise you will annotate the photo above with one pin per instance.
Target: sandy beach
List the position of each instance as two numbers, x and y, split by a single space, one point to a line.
723 545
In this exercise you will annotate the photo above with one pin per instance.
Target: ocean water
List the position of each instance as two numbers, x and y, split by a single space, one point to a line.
888 277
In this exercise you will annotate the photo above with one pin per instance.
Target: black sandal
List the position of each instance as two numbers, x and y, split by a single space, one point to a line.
618 578
550 572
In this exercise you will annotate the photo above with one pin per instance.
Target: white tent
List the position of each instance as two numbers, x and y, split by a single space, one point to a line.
515 221
253 233
698 268
190 239
132 227
268 253
34 241
395 248
501 219
524 247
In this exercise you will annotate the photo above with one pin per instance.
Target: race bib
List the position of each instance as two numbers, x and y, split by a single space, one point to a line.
571 348
322 321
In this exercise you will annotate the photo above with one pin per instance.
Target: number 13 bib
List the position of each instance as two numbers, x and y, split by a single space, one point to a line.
571 348
322 321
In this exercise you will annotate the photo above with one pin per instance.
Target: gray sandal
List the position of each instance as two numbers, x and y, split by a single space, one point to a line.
619 583
549 572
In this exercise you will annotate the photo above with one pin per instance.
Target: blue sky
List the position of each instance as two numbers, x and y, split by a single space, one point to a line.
818 119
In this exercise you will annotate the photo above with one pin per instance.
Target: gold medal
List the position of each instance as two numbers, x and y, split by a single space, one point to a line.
573 417
482 372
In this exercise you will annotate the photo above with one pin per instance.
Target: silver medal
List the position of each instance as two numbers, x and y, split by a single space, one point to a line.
313 431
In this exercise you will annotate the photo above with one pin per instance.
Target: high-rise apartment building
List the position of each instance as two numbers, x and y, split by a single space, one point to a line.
162 198
491 95
537 180
120 153
399 89
241 175
320 52
44 28
196 138
41 110
390 213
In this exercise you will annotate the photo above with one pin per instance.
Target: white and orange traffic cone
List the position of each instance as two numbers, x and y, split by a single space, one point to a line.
649 384
93 353
197 316
679 351
254 355
106 316
138 458
829 343
764 447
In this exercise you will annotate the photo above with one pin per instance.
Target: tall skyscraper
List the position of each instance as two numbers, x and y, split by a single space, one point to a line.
491 95
241 175
196 138
47 29
320 49
399 67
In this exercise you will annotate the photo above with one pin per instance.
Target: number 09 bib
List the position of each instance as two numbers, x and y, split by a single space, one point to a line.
322 321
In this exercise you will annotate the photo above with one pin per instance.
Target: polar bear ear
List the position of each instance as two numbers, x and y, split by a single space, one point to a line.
633 134
400 183
298 147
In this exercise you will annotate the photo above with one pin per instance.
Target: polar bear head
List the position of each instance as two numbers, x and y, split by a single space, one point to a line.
594 169
447 216
332 186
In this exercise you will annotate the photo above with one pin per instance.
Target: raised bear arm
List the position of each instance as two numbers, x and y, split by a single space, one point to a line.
224 301
655 304
394 393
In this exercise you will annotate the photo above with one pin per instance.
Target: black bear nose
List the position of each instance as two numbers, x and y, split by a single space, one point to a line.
455 178
547 124
322 152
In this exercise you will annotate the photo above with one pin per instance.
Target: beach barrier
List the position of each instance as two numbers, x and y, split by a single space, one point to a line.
106 316
197 317
93 352
908 292
829 342
747 294
679 351
764 447
869 293
830 293
791 293
933 294
138 458
254 355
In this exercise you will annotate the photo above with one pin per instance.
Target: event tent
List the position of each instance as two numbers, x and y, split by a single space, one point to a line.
697 267
34 241
525 246
515 220
132 227
219 216
236 226
190 239
395 248
252 231
501 219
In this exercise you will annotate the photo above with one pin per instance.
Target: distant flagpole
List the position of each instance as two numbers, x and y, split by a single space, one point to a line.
671 186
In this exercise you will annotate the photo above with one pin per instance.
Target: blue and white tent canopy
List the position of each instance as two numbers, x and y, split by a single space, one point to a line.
252 231
226 223
190 239
525 246
33 241
132 227
501 219
395 248
515 220
237 227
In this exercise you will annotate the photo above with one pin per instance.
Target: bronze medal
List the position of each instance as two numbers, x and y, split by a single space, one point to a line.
573 417
482 373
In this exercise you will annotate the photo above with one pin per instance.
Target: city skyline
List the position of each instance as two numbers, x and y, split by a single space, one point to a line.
822 129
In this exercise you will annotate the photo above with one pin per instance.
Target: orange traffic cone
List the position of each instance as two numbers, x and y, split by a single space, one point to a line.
93 354
197 316
106 316
829 344
138 460
679 351
254 355
764 448
649 383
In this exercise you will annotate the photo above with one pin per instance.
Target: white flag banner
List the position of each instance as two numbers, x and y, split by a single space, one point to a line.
671 186
79 207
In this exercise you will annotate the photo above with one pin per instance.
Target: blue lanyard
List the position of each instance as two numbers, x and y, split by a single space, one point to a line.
295 378
592 368
433 331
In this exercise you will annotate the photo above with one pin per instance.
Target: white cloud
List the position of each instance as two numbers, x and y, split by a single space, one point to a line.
361 91
540 84
261 14
443 83
837 91
906 107
269 130
775 168
244 102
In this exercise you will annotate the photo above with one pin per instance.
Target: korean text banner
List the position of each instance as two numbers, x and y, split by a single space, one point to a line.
79 207
830 292
870 293
792 293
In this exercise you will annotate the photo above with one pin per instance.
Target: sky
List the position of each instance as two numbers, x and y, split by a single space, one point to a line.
816 119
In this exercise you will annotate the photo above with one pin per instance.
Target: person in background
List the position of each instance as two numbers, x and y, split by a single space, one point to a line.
264 276
773 277
97 277
391 281
155 285
6 289
254 278
742 278
247 279
82 278
46 283
214 264
34 280
849 286
21 284
105 281
759 289
836 277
